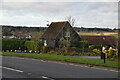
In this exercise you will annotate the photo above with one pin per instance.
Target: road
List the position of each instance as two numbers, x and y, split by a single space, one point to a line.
15 67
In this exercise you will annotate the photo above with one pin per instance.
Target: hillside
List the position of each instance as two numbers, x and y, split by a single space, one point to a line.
36 32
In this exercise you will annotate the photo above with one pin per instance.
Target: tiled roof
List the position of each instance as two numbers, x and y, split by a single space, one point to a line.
98 40
53 30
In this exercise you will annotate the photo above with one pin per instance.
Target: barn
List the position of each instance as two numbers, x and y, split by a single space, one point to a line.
59 35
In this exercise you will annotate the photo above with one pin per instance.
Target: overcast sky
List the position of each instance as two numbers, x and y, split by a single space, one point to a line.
102 13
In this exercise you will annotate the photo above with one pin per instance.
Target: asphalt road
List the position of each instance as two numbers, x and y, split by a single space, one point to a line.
14 67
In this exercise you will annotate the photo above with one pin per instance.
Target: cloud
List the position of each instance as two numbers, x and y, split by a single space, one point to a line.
37 13
61 0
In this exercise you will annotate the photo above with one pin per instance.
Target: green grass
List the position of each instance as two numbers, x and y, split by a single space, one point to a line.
96 34
64 58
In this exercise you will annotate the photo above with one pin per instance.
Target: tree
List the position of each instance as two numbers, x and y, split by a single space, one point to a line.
71 20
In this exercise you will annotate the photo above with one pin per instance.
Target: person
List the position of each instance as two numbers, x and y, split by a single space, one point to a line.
110 48
113 47
106 47
103 48
102 52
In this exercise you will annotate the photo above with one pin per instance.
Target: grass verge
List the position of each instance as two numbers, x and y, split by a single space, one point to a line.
94 62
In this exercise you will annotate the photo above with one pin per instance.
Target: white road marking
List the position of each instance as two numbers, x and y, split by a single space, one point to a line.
12 69
44 77
47 78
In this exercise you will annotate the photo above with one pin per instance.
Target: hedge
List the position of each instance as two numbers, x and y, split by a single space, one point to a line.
13 44
16 44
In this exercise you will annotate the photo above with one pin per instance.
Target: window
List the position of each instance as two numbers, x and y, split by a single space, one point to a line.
67 34
45 42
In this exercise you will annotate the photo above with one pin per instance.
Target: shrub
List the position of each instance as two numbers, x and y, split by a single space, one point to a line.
65 53
92 46
45 49
111 53
32 45
96 51
54 52
88 54
98 47
74 53
81 44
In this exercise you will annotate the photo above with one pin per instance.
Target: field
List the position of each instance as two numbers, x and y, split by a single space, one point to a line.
93 62
98 34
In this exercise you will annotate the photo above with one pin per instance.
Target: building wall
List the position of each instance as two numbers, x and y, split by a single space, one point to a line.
63 41
50 43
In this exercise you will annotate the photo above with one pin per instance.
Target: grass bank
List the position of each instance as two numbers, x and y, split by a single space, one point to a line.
64 58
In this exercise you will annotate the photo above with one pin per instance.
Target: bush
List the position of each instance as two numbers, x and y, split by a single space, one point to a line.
45 49
98 47
32 45
87 54
74 53
92 46
54 52
111 53
97 51
81 44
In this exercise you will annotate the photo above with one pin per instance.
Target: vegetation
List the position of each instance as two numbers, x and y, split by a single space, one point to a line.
97 51
64 58
32 45
97 34
16 44
82 44
111 54
13 44
45 49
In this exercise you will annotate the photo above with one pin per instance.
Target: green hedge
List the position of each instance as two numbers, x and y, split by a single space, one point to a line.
81 44
13 44
16 44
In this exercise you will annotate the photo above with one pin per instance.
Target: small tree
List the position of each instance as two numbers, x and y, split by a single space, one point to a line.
71 20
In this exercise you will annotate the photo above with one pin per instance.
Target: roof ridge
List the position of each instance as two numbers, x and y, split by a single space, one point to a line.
59 22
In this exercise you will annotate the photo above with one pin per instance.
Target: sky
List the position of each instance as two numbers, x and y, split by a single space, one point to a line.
35 13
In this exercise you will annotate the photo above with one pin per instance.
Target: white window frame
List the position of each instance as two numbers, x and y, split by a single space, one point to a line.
45 42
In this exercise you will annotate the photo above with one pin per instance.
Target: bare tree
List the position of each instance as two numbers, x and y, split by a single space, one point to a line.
71 20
